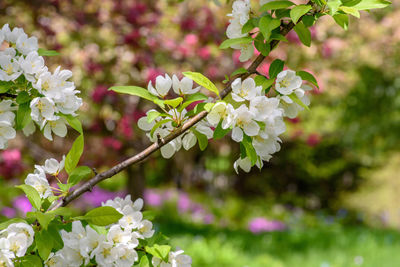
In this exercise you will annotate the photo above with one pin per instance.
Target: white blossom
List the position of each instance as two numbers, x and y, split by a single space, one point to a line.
40 183
6 113
287 81
9 68
7 132
53 167
58 127
244 164
245 90
244 122
163 85
184 86
42 108
223 111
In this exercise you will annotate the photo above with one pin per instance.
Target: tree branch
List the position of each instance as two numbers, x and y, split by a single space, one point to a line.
87 186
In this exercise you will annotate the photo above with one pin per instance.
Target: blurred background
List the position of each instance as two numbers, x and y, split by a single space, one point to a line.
329 198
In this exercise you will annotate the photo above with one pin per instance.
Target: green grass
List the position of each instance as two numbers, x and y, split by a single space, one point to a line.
322 246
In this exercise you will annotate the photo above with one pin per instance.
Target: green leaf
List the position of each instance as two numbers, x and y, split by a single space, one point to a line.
308 77
342 20
44 244
191 99
248 26
54 234
74 122
304 33
157 125
173 102
239 71
203 140
23 97
333 6
5 87
208 106
279 37
275 5
202 80
78 174
47 53
152 115
32 195
308 20
138 91
74 155
267 24
275 68
298 11
263 48
159 251
235 41
298 101
250 151
29 261
44 219
101 216
264 82
370 4
350 10
61 211
219 132
144 261
23 116
5 224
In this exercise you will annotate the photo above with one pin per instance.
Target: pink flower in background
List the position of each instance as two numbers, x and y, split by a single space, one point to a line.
8 212
151 74
10 163
112 143
208 218
260 224
204 53
125 126
11 156
313 139
191 39
22 204
99 195
184 202
100 92
152 198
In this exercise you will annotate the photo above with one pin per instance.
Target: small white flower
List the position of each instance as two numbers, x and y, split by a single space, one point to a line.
71 256
53 167
6 113
55 260
26 45
12 36
145 229
31 64
90 242
245 90
287 81
58 127
126 256
241 11
40 183
6 258
103 254
29 128
163 85
291 108
9 68
189 140
18 244
244 122
244 164
223 111
184 86
265 108
131 218
22 228
7 132
42 108
118 236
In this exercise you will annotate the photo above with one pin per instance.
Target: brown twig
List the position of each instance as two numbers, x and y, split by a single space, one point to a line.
87 186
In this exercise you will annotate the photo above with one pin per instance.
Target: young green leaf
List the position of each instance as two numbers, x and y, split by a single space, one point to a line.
144 261
236 41
101 216
350 10
263 48
74 122
342 20
158 251
308 77
157 125
298 11
78 174
250 151
279 37
44 219
219 132
191 99
29 261
368 4
23 97
298 101
173 102
275 68
276 5
304 33
32 195
47 53
203 140
152 115
267 24
23 116
44 244
239 71
138 91
74 155
333 6
202 80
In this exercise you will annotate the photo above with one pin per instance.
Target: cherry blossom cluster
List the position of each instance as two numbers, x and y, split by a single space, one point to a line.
38 179
254 115
239 17
116 247
177 117
28 81
14 242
